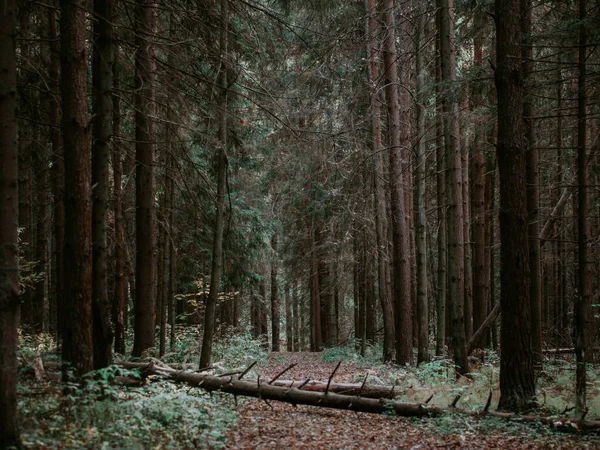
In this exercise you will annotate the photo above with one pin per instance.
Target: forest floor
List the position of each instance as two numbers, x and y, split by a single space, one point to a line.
273 425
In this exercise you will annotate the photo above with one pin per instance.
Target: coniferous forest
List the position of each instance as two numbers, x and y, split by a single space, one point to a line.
373 205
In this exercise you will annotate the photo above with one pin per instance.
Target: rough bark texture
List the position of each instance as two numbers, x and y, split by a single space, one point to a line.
419 200
442 240
58 181
275 313
77 339
399 142
533 194
145 271
454 188
221 157
584 319
372 29
9 211
102 76
517 383
120 280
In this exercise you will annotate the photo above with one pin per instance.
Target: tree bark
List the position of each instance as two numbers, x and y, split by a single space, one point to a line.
120 280
584 319
399 143
9 211
77 339
145 271
275 319
102 77
517 384
221 157
454 188
420 218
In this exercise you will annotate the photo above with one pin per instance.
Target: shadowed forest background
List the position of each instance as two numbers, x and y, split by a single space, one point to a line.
408 182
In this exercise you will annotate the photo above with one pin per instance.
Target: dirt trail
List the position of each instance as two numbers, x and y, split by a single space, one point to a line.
283 426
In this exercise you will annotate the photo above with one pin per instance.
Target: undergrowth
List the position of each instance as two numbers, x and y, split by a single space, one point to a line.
100 414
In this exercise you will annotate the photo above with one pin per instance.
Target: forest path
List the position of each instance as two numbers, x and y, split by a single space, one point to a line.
283 426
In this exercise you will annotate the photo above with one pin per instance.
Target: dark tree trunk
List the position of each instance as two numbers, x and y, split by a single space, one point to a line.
41 247
517 382
289 321
478 193
454 188
77 340
102 76
275 319
58 180
145 271
296 314
380 212
9 211
533 194
584 318
442 241
120 280
399 141
221 157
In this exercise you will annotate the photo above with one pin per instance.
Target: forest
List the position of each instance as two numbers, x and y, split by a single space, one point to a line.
345 204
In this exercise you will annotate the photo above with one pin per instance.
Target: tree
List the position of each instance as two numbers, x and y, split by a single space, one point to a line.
399 141
275 316
102 102
77 337
221 164
9 250
145 272
517 383
453 186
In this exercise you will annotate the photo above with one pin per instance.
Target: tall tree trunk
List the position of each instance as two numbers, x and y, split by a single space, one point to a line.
77 339
296 314
380 212
58 179
454 188
478 192
120 281
41 247
102 76
517 384
442 267
399 143
145 270
420 218
221 157
9 244
533 194
316 331
584 319
289 321
275 319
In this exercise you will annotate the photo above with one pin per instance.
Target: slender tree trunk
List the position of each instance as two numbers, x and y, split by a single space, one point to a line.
105 13
296 314
376 148
584 319
58 179
317 336
399 142
145 271
289 321
221 156
41 247
532 163
454 189
275 319
77 339
517 384
120 281
478 194
420 219
442 267
9 245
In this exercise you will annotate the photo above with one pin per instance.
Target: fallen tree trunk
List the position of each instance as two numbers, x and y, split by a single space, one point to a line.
354 389
297 396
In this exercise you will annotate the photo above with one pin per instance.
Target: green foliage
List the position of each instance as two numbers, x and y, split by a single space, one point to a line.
237 351
160 413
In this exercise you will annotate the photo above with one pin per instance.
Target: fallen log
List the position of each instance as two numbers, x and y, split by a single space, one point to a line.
298 396
355 389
